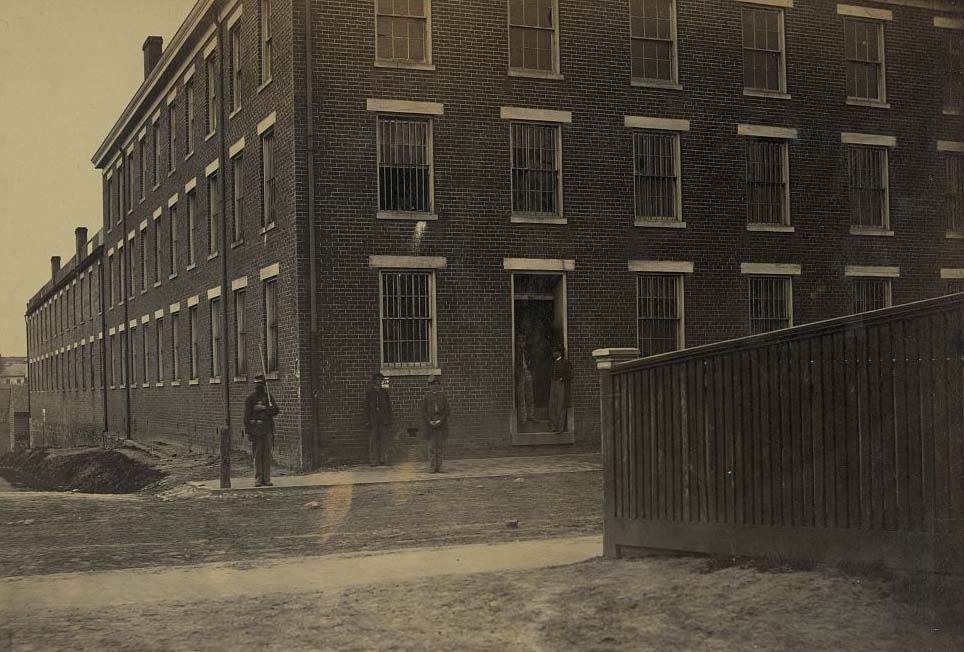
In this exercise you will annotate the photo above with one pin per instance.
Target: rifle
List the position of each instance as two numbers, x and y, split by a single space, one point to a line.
264 372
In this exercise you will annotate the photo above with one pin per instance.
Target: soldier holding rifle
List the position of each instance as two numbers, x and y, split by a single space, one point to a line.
259 413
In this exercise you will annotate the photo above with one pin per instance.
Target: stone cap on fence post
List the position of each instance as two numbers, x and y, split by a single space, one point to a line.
606 358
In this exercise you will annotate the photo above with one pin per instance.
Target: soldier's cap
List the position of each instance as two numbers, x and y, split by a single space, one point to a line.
259 379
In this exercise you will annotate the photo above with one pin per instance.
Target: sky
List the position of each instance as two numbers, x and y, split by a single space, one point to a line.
67 70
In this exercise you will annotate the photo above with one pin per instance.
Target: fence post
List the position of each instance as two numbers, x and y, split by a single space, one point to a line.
225 436
605 360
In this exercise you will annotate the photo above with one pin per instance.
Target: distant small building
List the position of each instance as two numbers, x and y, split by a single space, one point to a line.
13 371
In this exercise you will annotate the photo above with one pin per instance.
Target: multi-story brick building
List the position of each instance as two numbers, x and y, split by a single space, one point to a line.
448 188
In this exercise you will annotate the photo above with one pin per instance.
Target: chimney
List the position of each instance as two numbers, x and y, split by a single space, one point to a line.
80 238
54 266
152 53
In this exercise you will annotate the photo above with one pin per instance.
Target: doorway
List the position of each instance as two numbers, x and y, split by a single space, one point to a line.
539 326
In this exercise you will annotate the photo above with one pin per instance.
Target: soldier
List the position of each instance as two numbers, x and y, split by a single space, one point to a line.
259 413
523 383
435 414
378 413
559 397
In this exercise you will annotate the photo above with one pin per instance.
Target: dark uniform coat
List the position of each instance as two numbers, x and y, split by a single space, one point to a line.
435 407
561 377
259 414
378 407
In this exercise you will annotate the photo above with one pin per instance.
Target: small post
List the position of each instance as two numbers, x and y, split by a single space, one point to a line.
606 359
225 435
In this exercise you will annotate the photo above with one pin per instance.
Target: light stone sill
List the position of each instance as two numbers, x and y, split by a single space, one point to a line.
537 219
265 84
535 74
193 381
954 235
405 215
659 224
413 371
405 65
771 228
776 95
871 231
215 381
235 112
654 83
874 104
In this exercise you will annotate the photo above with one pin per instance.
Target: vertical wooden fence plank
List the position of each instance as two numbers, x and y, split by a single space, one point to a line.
797 468
829 458
954 348
845 433
744 479
925 400
938 450
815 437
874 427
889 469
901 431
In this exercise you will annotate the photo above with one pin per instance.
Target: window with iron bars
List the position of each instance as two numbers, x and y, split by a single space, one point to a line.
953 285
135 356
268 196
192 339
404 164
271 325
237 190
241 334
864 55
870 294
215 308
172 237
653 39
145 357
763 49
532 35
954 72
189 118
771 303
407 316
214 213
767 200
954 192
210 65
868 186
159 350
175 346
656 168
236 68
535 168
402 30
659 312
266 41
171 137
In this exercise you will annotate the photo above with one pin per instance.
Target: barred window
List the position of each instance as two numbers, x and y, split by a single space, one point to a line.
536 154
130 181
236 68
142 167
172 237
110 284
763 49
214 213
156 131
653 36
158 252
92 367
954 192
135 356
407 316
404 164
143 254
192 339
659 312
868 186
402 28
268 194
121 192
216 333
175 346
271 325
240 333
870 294
954 72
210 65
864 54
111 204
82 360
132 268
767 181
145 357
266 41
237 199
159 349
770 303
189 115
171 136
657 175
532 35
191 228
125 370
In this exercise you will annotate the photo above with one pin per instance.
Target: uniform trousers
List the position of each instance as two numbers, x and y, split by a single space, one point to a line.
261 451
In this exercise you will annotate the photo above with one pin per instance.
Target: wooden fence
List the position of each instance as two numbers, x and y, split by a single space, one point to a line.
834 441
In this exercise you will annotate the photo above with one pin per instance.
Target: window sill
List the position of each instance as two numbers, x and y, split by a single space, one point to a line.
537 219
170 173
272 376
175 383
191 266
660 224
189 155
871 231
413 371
156 186
172 276
143 199
158 384
756 92
144 291
214 381
113 387
212 256
655 83
265 84
859 101
157 284
209 136
535 74
952 112
193 381
405 65
265 229
237 243
234 113
405 215
771 228
145 385
240 379
954 235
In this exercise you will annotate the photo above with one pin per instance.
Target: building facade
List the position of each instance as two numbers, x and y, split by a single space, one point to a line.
424 187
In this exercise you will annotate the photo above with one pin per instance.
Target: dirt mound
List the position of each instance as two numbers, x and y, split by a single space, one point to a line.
93 471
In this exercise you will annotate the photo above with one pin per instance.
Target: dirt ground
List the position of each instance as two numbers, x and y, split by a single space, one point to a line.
658 604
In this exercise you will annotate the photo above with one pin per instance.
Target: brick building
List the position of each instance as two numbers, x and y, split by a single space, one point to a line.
454 188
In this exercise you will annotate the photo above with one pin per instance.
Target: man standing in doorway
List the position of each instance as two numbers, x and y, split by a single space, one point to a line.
259 413
559 397
378 411
435 414
524 402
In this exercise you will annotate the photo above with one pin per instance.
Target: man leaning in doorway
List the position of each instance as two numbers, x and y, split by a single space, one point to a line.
435 414
559 396
259 413
378 412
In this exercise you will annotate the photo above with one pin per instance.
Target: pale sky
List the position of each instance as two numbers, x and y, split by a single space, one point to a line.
67 70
